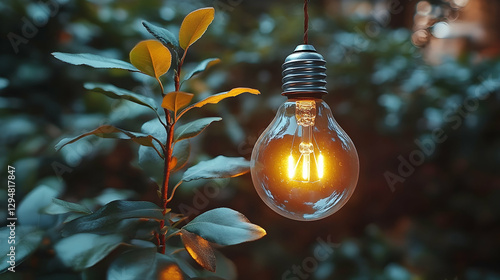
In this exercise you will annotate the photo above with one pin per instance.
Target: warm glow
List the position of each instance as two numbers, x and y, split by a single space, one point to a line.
321 166
306 167
171 272
291 167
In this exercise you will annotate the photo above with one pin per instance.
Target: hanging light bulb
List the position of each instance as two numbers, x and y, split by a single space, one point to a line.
304 166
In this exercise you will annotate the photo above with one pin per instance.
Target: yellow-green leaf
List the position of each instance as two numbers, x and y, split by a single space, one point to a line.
151 58
214 99
194 26
176 100
199 249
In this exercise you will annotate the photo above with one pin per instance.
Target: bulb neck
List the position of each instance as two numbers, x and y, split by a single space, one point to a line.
304 74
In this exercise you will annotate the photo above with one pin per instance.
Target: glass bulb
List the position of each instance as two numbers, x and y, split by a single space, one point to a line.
304 166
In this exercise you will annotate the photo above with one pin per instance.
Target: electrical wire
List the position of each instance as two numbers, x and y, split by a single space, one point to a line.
306 22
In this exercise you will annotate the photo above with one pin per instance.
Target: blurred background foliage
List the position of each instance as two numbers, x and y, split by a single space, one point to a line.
397 70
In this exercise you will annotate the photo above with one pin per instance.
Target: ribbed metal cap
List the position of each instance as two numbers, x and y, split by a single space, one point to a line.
304 73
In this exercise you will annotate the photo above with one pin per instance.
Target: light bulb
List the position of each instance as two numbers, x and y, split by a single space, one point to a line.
304 166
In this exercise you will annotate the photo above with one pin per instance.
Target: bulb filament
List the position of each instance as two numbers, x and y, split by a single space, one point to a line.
305 113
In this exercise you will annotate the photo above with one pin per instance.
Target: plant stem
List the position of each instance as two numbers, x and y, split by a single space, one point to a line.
170 124
167 167
178 73
164 191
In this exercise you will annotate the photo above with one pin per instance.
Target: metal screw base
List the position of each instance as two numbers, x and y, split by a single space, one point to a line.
304 73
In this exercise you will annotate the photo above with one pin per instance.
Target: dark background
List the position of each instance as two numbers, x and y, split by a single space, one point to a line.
397 71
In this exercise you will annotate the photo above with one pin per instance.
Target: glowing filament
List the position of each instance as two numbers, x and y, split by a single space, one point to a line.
305 115
321 166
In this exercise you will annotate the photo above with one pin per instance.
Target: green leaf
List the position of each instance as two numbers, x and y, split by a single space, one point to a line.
153 127
199 249
225 269
84 250
148 160
168 267
193 128
134 264
181 152
224 226
151 163
29 211
145 263
93 60
204 65
59 206
161 34
119 93
73 216
106 196
27 241
131 227
112 214
219 167
109 131
184 263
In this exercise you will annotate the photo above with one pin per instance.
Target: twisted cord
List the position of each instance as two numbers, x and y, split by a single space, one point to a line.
306 22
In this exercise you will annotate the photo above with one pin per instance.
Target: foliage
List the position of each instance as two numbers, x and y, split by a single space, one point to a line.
120 231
